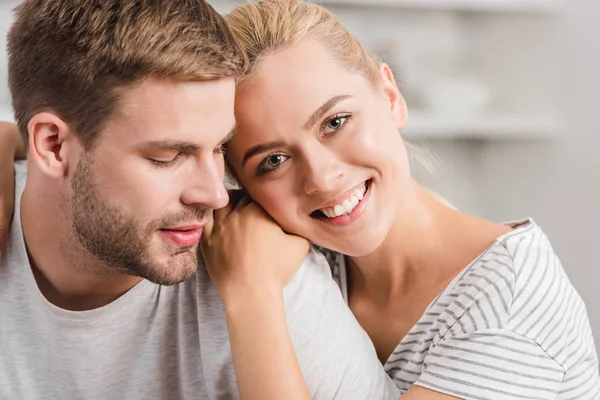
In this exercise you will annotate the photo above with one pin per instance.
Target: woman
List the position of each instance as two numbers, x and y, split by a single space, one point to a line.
457 307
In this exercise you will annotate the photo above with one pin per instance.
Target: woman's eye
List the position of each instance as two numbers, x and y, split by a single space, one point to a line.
271 163
334 124
274 160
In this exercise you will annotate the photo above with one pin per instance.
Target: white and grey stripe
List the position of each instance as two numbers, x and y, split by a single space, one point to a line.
509 326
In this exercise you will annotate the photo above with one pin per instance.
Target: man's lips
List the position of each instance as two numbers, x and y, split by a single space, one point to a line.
184 236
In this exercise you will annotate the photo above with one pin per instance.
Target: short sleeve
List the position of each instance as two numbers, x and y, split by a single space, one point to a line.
493 364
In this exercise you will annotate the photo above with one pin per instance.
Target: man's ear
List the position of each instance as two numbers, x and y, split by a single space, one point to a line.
396 100
50 141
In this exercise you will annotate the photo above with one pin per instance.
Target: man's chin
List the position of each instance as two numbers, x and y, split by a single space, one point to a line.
173 270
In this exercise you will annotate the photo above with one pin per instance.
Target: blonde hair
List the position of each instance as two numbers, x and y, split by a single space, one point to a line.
266 26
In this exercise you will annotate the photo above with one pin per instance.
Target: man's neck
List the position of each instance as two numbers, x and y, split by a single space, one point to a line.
66 274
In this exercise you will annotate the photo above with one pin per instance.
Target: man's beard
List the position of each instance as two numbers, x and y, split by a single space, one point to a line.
118 240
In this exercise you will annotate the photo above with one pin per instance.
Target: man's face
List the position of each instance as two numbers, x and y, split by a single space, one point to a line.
140 198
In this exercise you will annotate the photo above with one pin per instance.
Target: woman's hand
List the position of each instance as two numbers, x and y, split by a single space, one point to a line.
250 259
11 148
246 251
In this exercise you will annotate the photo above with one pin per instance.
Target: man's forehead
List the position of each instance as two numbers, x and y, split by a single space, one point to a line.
197 118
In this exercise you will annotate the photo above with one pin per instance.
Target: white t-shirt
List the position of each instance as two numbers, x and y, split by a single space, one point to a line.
158 342
509 326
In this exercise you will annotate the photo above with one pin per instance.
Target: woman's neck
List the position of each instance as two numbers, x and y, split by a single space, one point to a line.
427 245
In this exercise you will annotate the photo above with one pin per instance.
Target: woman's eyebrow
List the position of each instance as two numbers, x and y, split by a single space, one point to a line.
261 148
319 112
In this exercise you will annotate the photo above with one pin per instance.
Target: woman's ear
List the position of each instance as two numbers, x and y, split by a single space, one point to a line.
50 141
395 98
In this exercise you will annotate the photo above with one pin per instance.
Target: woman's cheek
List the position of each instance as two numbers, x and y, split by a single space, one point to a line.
274 202
365 143
382 141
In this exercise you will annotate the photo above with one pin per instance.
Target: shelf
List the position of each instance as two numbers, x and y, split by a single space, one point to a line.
493 6
493 127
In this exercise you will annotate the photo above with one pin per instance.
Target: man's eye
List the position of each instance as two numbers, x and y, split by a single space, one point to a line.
271 163
166 163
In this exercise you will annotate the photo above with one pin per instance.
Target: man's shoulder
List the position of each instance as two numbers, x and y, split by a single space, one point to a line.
21 166
20 172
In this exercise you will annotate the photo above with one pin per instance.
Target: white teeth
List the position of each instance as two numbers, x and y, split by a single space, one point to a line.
346 206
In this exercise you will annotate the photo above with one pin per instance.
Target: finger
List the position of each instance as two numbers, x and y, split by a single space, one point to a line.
208 228
300 240
222 213
302 246
256 209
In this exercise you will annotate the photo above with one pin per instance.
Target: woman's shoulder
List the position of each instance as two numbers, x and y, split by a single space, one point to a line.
517 253
524 282
516 267
524 237
515 279
528 251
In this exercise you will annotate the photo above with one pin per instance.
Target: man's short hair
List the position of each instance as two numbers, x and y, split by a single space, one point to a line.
72 57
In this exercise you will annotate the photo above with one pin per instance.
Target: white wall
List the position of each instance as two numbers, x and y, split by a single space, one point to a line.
5 21
558 183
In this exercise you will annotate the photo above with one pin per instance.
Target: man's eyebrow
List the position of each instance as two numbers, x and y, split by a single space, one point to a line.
174 145
184 147
261 148
319 112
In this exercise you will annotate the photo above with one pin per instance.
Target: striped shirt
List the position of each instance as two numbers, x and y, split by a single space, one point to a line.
509 326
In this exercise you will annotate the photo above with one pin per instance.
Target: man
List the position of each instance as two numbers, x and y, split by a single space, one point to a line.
124 107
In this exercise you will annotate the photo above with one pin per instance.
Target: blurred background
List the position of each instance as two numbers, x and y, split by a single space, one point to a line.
505 95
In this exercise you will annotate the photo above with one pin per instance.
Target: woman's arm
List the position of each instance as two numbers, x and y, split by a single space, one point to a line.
250 280
250 260
421 393
263 354
11 148
292 335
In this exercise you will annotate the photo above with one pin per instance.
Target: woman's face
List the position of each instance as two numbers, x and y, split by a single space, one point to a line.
318 148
